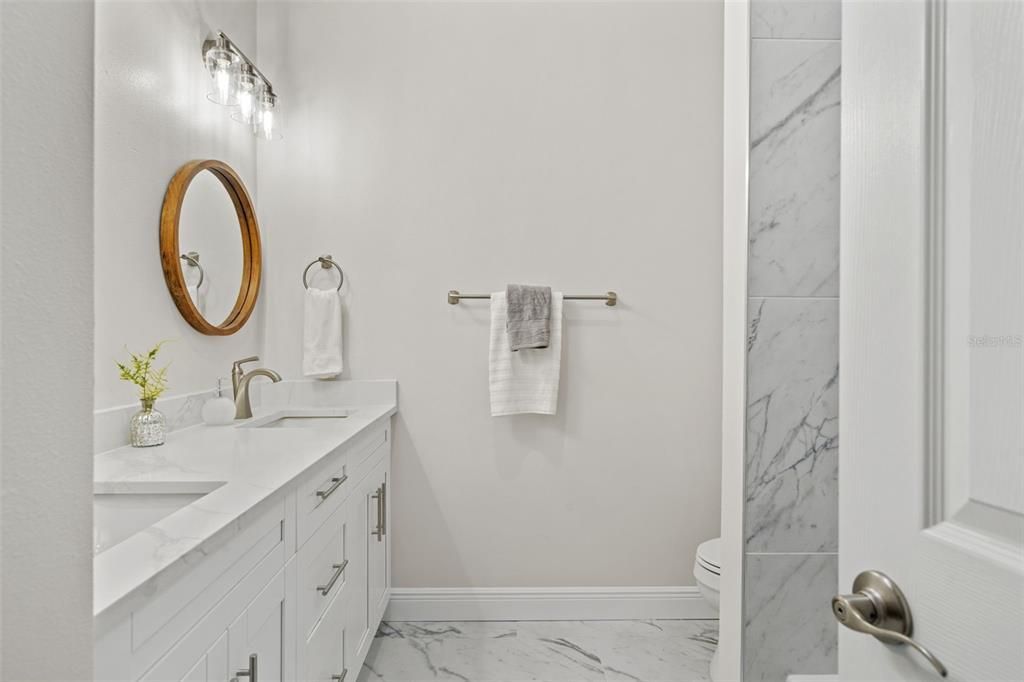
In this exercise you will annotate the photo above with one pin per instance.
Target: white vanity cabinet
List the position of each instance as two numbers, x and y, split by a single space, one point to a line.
296 593
252 639
247 622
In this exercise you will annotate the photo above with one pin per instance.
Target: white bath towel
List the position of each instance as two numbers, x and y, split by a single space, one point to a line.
321 334
526 381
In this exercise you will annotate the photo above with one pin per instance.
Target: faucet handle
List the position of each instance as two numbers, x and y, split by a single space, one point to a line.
237 364
237 372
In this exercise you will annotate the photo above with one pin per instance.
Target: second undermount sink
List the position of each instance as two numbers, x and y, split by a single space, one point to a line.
301 419
118 516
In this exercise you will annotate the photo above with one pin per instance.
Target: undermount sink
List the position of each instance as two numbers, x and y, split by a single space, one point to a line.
297 419
118 516
299 422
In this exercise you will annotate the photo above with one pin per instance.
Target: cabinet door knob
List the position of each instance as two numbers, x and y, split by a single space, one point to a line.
878 608
341 677
252 672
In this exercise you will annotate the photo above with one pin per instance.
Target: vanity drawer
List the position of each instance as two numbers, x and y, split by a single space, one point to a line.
323 568
326 488
326 655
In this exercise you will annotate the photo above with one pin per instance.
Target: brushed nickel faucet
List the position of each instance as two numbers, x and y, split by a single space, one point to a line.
240 380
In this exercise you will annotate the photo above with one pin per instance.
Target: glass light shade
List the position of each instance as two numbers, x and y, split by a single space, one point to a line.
268 125
248 91
223 67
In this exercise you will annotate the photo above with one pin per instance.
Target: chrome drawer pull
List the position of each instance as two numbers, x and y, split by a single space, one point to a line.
338 570
335 483
341 677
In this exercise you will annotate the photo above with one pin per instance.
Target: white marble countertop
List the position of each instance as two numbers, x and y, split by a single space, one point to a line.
237 467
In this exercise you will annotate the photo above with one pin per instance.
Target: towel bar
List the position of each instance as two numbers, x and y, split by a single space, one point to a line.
611 298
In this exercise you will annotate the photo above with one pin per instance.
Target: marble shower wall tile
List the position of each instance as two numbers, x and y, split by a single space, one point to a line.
792 425
795 19
788 620
794 168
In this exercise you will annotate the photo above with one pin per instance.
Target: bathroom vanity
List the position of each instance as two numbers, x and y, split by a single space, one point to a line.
258 551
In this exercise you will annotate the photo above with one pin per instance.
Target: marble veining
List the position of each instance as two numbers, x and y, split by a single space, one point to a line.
794 168
792 425
788 624
791 474
557 651
809 19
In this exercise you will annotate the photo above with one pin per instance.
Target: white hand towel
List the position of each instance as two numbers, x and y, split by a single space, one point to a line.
524 382
321 334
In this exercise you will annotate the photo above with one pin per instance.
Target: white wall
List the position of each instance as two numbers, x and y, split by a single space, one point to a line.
46 341
432 146
152 115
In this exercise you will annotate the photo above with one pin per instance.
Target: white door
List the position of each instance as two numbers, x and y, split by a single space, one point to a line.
932 331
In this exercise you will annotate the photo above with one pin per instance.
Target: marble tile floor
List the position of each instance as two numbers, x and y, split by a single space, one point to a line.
552 651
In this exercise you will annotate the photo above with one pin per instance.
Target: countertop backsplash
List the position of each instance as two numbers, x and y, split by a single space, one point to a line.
110 425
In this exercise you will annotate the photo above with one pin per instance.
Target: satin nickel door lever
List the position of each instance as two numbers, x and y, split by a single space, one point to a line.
878 608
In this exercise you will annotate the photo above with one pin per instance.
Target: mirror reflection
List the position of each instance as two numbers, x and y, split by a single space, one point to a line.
210 241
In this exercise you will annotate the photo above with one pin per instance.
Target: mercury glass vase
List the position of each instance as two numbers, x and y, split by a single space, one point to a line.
148 426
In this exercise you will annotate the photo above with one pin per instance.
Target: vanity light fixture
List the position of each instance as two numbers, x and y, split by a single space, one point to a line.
238 82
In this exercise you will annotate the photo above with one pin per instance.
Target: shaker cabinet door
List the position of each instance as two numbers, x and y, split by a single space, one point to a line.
378 554
219 646
255 638
179 666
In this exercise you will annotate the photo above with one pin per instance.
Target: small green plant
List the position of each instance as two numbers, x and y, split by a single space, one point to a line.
139 370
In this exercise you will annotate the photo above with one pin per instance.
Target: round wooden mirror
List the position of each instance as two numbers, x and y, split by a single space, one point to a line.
210 247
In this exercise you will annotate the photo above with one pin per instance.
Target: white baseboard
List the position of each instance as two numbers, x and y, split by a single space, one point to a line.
547 603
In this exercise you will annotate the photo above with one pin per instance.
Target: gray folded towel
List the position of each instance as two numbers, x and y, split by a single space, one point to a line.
528 324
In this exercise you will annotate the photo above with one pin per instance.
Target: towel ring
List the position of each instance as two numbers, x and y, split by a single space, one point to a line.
326 261
192 258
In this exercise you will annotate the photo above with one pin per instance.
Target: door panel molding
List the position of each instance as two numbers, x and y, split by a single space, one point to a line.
935 264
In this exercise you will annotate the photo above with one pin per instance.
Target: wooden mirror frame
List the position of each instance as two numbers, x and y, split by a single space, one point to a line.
170 253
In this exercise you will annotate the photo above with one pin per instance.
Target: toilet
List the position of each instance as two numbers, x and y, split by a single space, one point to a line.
707 567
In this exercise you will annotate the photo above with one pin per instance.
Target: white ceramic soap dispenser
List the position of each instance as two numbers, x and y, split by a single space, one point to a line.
219 411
